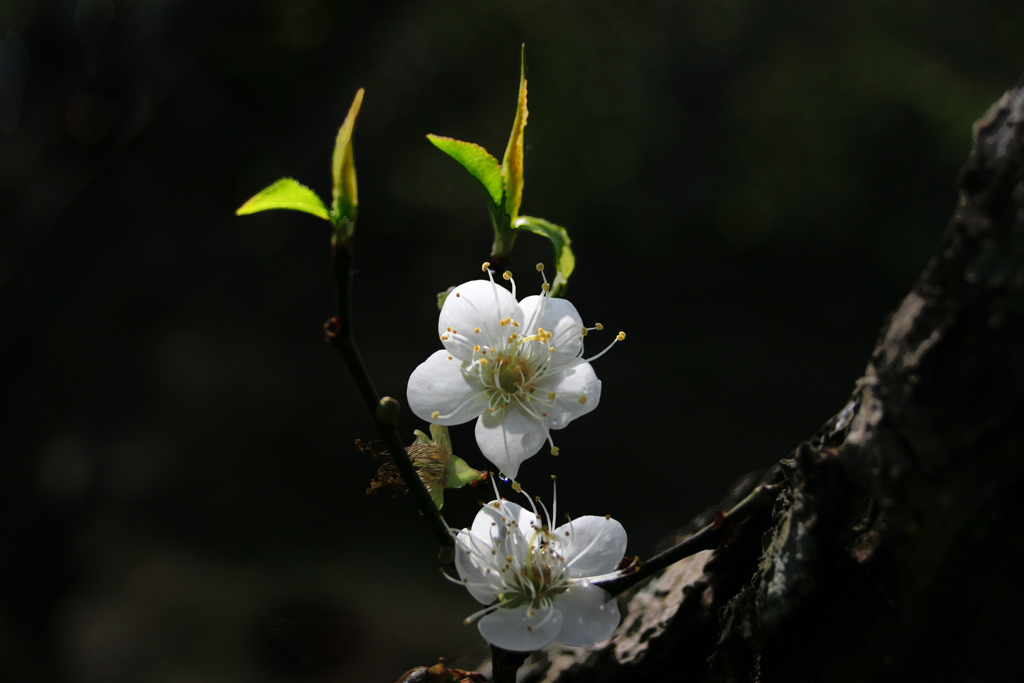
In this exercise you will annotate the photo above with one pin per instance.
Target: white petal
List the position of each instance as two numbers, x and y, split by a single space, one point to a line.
558 317
520 629
507 437
482 580
438 384
579 380
595 545
589 615
472 305
488 524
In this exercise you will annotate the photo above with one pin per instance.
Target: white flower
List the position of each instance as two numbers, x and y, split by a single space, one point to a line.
518 367
544 581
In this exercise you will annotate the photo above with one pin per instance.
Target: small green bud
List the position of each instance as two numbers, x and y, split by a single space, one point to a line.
387 410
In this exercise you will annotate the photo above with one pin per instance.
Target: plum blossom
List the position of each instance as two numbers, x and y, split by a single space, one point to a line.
518 367
542 582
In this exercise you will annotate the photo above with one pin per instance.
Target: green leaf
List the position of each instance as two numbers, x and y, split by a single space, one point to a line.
439 435
344 192
478 161
565 260
437 495
421 438
460 474
286 193
512 163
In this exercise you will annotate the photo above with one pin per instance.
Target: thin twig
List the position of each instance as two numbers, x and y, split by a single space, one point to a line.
709 537
339 332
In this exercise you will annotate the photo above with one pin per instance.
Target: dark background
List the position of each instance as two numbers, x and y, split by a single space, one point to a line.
751 186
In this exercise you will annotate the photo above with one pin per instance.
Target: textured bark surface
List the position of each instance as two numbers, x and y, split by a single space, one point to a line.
892 550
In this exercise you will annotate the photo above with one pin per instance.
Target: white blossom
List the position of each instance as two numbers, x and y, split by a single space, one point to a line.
542 582
518 367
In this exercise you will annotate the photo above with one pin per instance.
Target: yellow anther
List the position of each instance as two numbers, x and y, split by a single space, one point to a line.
516 487
476 330
546 287
449 357
620 336
476 348
485 266
598 326
436 414
444 337
607 516
515 324
554 451
551 349
505 322
449 329
543 414
583 331
553 477
507 275
540 267
454 331
457 295
551 396
517 368
582 399
483 361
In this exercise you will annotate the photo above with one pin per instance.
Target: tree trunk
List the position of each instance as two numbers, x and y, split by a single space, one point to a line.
891 552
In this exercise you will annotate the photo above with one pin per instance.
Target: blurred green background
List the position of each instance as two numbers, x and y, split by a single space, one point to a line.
751 186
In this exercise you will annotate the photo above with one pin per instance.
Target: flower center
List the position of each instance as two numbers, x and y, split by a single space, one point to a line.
513 374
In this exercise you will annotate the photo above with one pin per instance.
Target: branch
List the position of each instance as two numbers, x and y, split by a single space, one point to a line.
384 411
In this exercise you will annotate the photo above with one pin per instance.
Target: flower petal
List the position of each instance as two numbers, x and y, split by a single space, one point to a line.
589 615
472 305
482 580
489 523
522 629
559 317
569 386
508 436
438 384
595 545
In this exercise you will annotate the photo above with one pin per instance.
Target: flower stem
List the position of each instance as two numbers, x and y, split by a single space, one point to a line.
710 536
505 664
339 333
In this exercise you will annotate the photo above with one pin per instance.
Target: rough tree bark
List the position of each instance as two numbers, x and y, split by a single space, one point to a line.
891 552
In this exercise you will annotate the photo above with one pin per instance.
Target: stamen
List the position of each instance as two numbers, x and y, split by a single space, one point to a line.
619 337
598 326
554 494
485 266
